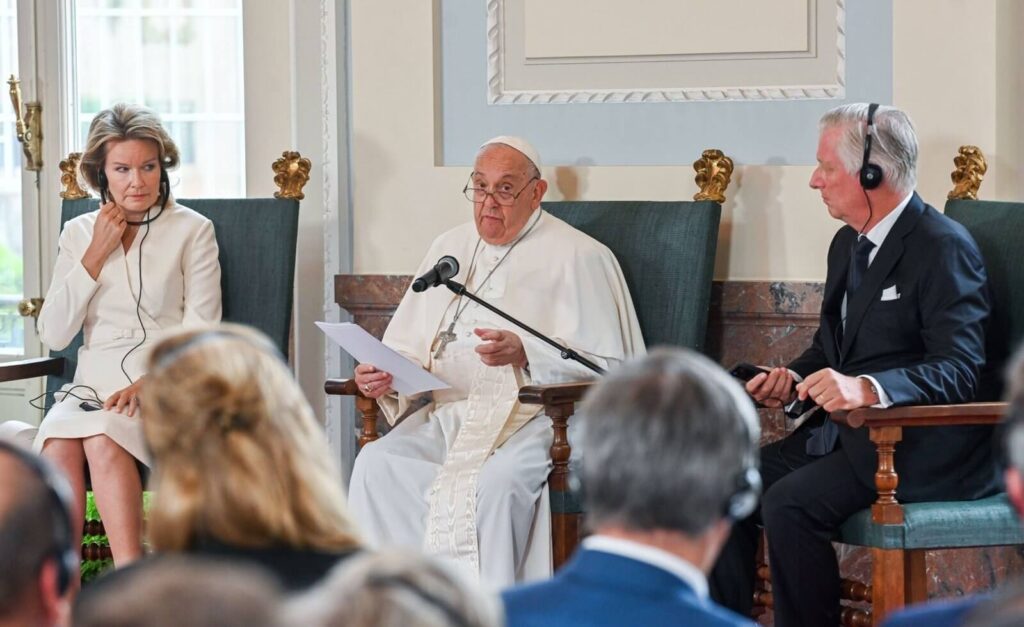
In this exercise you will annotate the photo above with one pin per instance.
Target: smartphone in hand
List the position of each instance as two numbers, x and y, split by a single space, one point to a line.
745 372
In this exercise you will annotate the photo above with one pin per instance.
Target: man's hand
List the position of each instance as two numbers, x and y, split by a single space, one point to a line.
773 388
500 348
125 400
106 237
833 391
373 383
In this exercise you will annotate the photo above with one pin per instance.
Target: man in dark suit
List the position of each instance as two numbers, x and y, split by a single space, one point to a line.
671 460
902 322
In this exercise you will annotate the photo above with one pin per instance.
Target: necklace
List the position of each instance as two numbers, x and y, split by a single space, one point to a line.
446 337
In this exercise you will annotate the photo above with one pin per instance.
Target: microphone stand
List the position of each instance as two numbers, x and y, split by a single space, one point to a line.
565 352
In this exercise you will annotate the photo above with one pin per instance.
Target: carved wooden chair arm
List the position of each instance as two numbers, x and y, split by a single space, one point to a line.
885 427
923 415
367 406
341 387
31 368
555 394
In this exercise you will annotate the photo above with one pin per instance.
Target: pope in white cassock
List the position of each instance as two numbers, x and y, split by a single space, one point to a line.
463 472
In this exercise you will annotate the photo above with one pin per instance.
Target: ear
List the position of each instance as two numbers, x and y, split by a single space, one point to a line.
50 597
1015 489
539 191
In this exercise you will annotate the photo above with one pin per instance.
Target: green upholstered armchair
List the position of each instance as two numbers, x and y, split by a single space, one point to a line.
257 240
900 534
667 254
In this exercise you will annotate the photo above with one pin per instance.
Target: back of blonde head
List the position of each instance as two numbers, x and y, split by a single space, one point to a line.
239 457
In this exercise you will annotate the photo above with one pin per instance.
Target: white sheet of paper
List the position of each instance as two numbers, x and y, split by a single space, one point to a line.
408 377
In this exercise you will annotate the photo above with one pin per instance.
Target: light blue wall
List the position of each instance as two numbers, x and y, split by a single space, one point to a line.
670 133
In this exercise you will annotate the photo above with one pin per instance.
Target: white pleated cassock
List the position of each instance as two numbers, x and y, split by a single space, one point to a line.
463 473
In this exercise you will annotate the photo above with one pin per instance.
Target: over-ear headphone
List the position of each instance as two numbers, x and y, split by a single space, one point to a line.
744 498
101 176
59 498
210 335
870 173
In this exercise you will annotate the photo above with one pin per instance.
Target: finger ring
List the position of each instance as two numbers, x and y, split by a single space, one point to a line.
367 388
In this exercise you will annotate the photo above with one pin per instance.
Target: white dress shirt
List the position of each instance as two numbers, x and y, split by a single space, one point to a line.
877 235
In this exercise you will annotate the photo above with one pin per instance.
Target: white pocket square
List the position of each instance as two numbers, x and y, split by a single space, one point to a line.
890 293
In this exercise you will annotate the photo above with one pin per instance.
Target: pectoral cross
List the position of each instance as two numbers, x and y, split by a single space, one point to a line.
444 338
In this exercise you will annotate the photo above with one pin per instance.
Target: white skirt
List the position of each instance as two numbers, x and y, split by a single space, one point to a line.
67 421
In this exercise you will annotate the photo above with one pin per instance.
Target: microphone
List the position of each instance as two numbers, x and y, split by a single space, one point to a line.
445 268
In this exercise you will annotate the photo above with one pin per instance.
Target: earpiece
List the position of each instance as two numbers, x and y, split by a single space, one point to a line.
104 186
744 498
59 495
870 174
165 188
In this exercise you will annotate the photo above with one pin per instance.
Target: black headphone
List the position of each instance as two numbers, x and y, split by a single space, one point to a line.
59 497
870 173
745 496
216 334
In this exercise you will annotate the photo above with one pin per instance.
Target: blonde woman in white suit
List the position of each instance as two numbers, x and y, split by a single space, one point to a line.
127 274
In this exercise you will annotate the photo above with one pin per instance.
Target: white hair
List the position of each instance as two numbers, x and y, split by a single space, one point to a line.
893 147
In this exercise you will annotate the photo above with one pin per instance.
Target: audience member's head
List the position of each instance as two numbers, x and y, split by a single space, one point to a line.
1012 429
396 589
671 446
239 458
182 591
35 539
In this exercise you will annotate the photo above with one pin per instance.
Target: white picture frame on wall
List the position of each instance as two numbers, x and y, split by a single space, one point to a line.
607 51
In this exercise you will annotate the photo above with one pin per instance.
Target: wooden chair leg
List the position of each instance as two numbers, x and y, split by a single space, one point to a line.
566 526
888 582
916 577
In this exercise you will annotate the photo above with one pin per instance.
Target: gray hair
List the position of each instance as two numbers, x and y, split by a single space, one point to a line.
1013 423
666 439
396 589
893 147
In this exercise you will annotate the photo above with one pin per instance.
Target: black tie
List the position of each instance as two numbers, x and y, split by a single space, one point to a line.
858 265
822 440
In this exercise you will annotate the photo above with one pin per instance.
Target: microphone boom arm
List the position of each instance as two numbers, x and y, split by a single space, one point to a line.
565 352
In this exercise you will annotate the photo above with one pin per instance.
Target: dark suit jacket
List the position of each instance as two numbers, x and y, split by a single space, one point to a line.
926 347
935 614
596 588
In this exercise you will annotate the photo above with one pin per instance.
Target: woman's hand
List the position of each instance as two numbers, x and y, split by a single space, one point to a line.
106 237
126 399
373 383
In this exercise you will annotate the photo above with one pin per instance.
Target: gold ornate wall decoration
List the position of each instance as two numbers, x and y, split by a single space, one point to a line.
69 178
28 126
714 170
970 170
291 172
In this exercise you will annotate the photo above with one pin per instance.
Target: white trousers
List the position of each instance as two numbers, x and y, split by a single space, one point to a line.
388 493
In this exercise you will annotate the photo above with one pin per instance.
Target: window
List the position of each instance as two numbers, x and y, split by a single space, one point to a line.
11 249
181 58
